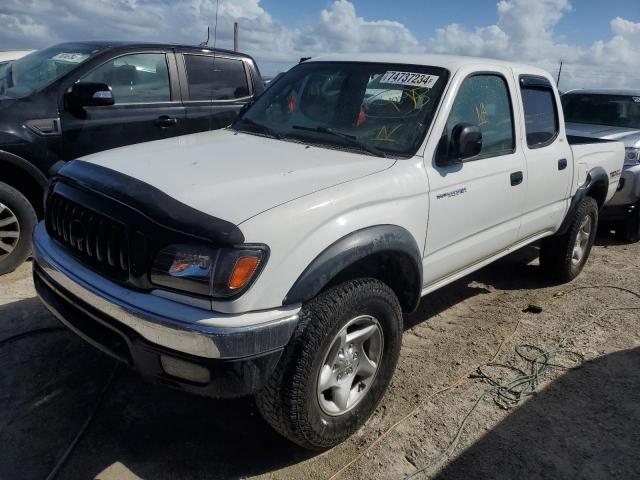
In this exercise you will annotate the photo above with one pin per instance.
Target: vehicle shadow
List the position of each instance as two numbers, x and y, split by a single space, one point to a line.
51 382
583 425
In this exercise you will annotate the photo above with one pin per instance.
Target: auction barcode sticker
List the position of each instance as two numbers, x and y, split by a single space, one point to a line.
70 57
421 80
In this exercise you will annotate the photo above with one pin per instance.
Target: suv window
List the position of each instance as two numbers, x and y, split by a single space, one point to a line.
135 78
483 101
215 78
540 116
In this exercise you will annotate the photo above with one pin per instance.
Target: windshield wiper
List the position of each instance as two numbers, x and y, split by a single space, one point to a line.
345 136
262 128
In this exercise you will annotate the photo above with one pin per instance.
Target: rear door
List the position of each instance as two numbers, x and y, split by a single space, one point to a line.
548 156
215 88
475 206
147 105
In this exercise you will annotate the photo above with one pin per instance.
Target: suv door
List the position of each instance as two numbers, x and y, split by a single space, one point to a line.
475 206
147 105
548 155
215 88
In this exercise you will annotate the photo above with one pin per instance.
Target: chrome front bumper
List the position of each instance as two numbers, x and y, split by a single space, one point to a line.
163 322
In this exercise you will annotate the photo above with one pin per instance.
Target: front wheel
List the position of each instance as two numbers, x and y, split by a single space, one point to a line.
337 365
17 220
563 256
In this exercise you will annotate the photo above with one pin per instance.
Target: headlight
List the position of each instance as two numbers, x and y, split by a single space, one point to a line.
632 156
203 270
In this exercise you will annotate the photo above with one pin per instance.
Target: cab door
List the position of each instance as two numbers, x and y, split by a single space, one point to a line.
148 105
548 155
475 205
214 87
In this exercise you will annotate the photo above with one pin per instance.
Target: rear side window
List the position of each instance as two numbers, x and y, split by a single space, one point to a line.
215 78
540 113
135 78
483 101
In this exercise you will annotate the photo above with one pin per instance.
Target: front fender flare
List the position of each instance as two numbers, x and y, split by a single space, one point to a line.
24 165
350 249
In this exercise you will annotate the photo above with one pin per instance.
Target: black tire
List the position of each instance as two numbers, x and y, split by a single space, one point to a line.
628 230
556 252
15 205
289 402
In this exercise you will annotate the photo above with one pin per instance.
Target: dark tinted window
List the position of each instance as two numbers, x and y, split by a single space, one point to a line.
483 100
602 109
540 116
215 78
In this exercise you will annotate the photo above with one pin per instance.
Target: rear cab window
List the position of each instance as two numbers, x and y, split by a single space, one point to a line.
212 77
540 111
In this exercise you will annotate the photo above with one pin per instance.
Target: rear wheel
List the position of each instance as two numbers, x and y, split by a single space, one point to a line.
337 365
17 220
563 256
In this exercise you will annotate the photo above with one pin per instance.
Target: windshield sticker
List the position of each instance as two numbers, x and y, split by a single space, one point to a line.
421 80
70 57
636 99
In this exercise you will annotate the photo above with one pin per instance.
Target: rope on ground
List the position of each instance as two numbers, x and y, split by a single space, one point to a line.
85 425
508 394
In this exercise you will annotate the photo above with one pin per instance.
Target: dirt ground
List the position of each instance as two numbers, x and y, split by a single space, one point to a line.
581 423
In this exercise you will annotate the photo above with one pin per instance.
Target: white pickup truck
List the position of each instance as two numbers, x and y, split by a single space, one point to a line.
276 257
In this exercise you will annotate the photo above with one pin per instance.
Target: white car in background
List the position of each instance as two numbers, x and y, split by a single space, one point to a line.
7 56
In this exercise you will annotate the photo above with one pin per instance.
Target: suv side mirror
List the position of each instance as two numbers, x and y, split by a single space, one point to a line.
465 142
89 94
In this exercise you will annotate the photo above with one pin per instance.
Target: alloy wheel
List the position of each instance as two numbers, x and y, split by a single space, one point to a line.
9 231
350 365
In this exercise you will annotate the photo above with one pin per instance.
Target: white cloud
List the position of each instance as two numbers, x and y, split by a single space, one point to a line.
524 32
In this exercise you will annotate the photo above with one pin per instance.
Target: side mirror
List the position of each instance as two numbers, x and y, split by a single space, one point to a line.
89 94
465 142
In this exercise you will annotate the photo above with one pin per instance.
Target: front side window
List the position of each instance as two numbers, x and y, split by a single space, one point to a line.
135 78
377 108
483 101
215 78
540 115
602 109
32 72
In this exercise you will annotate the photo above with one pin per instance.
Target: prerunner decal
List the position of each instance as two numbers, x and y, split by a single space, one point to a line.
636 99
411 79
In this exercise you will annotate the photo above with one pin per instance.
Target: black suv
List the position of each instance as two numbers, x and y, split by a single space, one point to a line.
78 98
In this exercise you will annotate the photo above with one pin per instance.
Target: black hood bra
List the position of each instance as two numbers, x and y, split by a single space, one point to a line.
150 202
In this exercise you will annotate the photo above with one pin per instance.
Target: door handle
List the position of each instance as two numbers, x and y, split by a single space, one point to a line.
562 164
516 178
164 121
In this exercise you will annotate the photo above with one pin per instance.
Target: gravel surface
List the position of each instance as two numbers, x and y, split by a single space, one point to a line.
580 423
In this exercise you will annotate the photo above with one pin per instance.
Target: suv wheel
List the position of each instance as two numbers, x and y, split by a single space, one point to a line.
17 220
337 366
564 256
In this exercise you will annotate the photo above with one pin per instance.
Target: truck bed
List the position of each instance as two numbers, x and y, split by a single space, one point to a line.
591 152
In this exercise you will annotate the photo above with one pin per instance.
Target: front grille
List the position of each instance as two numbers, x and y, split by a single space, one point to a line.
98 240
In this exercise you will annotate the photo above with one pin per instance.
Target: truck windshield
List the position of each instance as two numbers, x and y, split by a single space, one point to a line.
602 109
379 109
38 69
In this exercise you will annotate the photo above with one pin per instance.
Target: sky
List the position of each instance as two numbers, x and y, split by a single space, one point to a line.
598 41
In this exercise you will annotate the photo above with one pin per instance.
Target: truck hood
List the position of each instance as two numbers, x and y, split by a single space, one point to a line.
630 136
233 175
